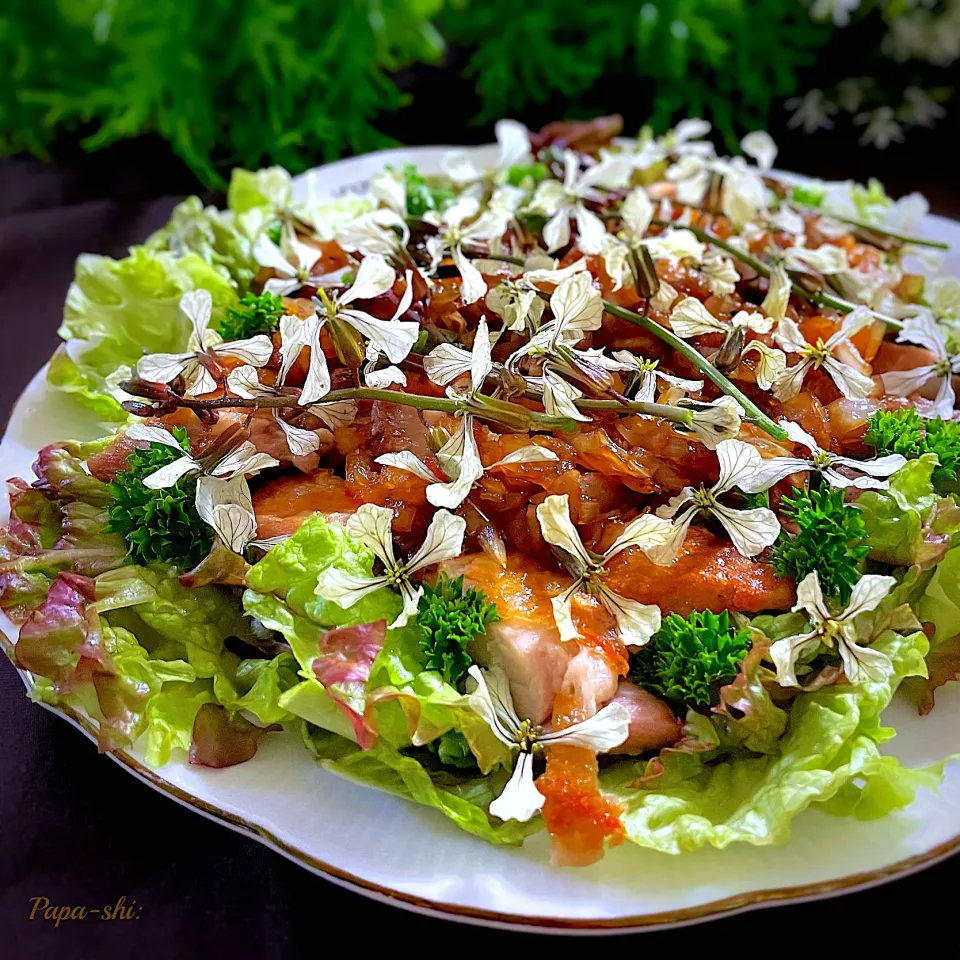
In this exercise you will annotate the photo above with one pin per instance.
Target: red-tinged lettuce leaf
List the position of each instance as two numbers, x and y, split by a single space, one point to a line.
750 715
61 639
221 565
57 523
224 740
343 667
943 666
699 741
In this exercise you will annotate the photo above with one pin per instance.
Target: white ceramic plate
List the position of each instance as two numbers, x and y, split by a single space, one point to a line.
413 857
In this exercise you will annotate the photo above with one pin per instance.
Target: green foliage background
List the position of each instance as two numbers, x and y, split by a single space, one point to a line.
246 82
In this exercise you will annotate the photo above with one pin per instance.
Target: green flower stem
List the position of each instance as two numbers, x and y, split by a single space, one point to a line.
818 297
873 228
663 411
753 412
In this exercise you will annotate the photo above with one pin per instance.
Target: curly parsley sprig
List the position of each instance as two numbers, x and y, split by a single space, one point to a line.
904 432
689 656
450 618
253 314
828 540
160 526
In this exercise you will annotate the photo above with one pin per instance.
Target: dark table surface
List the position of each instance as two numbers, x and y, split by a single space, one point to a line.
78 830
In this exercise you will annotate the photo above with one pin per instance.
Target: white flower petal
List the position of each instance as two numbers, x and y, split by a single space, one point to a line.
646 531
444 541
345 589
472 285
199 381
664 298
810 599
163 367
577 307
556 231
558 529
255 351
559 397
446 362
457 165
531 454
481 360
867 593
460 461
784 654
196 306
690 318
390 189
406 460
520 800
759 146
492 701
637 212
394 337
864 664
245 382
562 605
850 382
923 329
167 476
772 471
590 230
777 300
513 139
902 383
374 232
636 622
372 525
771 363
338 413
144 432
235 526
880 467
268 254
716 421
665 555
602 732
385 377
374 277
750 531
738 461
789 383
243 459
300 442
406 298
282 288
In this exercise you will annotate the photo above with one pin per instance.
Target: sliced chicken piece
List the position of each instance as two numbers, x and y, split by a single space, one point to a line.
653 725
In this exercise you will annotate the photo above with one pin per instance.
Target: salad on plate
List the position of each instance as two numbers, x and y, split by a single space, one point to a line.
609 491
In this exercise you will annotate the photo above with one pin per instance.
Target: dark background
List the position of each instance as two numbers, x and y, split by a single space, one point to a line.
77 829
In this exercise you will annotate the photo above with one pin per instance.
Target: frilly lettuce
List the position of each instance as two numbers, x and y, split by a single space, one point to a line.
829 756
117 309
909 523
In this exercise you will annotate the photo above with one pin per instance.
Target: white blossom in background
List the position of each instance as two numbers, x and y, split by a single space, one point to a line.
245 382
760 147
390 188
880 128
372 525
294 261
824 463
197 307
560 202
636 622
923 329
491 700
860 663
850 382
720 272
381 231
394 337
750 531
837 10
920 109
648 372
812 112
223 498
454 235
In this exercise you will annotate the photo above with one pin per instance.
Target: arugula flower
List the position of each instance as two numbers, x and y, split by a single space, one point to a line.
513 139
636 622
394 337
636 212
750 531
860 663
721 273
777 300
646 373
208 348
690 318
923 329
491 700
381 231
372 526
851 382
519 303
824 463
771 363
560 201
448 361
223 498
245 382
293 260
675 245
760 147
453 235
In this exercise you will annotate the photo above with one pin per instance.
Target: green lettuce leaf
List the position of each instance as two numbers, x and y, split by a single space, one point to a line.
248 190
909 523
940 602
829 756
461 798
118 309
